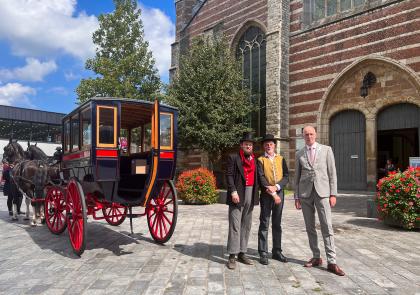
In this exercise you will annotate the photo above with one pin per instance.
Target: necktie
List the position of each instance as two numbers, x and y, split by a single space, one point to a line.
312 154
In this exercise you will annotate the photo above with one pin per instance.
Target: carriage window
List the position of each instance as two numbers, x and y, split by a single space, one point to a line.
67 135
107 119
166 123
135 145
75 132
86 127
147 137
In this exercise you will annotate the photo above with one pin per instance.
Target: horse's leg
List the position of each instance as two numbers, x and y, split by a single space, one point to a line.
27 202
33 221
42 212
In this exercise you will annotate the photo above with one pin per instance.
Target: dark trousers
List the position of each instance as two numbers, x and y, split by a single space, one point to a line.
268 207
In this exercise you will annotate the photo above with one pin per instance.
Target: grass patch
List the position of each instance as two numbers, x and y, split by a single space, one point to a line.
317 289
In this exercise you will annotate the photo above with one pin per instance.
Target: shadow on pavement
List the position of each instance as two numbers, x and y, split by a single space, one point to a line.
98 236
216 253
355 205
377 224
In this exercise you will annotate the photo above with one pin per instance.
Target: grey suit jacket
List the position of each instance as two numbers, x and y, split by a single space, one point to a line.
322 174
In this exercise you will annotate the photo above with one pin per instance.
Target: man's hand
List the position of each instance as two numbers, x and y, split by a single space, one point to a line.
271 189
298 205
277 199
333 201
235 199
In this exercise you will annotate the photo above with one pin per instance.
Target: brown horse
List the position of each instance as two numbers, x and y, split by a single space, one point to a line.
30 176
33 152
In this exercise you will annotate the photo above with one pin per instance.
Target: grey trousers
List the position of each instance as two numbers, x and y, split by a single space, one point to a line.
240 221
323 208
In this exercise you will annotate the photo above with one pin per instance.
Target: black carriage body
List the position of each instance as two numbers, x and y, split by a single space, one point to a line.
119 149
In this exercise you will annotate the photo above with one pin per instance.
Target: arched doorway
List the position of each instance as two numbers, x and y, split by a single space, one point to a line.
251 51
397 135
347 139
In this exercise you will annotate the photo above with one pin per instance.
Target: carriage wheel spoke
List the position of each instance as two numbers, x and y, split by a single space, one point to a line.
164 215
163 223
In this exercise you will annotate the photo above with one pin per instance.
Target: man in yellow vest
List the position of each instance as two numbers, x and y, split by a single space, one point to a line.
273 176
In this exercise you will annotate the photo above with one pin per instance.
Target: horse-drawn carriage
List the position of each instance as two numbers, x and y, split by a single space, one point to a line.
116 154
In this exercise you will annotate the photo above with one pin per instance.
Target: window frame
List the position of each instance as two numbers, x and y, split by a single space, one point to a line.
338 10
171 146
106 145
67 137
72 148
82 145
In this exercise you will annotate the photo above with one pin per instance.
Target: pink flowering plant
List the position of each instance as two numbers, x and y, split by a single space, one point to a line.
197 186
398 197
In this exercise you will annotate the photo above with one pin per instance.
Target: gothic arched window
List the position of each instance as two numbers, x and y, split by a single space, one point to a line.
251 52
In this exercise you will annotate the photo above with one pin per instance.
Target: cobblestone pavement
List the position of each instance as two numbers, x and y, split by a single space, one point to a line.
377 259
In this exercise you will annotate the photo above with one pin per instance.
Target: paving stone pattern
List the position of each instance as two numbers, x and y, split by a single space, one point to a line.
377 259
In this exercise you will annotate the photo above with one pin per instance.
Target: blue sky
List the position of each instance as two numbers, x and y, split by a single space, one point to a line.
44 45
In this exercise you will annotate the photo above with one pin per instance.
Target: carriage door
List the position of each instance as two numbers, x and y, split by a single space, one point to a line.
347 139
106 143
154 165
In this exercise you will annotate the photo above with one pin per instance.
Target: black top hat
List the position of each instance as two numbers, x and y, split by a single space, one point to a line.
269 137
247 136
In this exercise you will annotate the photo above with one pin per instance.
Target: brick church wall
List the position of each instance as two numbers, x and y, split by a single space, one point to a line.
320 53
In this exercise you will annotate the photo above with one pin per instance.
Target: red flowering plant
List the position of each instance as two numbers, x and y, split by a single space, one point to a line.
398 197
197 186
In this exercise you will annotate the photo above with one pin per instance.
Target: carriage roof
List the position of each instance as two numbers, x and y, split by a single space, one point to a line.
147 104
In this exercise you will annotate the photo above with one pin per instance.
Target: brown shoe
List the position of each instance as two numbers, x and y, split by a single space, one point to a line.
335 269
313 262
231 263
245 260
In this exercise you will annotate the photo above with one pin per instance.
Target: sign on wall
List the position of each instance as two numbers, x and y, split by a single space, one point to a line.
414 161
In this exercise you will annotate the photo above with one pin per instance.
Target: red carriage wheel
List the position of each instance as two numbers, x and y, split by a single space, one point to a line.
76 216
55 205
162 211
114 213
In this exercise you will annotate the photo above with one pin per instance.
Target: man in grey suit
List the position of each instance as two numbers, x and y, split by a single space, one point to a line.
316 187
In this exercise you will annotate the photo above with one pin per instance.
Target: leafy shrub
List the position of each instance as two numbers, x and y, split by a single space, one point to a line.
398 197
197 186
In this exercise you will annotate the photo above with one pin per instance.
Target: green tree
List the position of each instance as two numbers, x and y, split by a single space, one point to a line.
207 90
123 64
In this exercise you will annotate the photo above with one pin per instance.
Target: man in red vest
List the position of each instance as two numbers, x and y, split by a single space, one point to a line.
242 195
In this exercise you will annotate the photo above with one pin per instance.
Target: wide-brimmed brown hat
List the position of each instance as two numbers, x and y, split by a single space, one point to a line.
247 136
269 137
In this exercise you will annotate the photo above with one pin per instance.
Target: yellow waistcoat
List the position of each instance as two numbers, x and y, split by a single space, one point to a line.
270 169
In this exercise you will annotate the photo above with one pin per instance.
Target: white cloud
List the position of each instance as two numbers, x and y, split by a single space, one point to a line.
50 28
70 76
33 71
159 31
16 94
46 28
58 90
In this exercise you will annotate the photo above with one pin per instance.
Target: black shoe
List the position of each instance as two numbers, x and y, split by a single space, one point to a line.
245 260
280 257
21 213
264 259
10 213
231 262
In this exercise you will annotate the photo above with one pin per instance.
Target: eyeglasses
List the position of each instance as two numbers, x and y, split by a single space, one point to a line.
248 144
